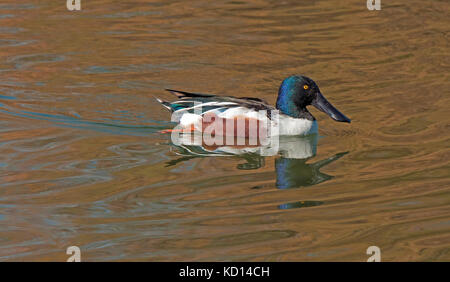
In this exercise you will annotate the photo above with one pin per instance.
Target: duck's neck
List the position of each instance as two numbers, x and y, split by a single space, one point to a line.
287 105
305 114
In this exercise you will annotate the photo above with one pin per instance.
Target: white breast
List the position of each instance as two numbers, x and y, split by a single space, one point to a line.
296 126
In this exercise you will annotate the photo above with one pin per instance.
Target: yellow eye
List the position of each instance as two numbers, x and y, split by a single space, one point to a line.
305 86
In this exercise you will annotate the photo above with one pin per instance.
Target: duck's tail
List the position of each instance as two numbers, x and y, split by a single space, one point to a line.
165 104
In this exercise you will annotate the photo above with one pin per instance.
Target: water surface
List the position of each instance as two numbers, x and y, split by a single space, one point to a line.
82 161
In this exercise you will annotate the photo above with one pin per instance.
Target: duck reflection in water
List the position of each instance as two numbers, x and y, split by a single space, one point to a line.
293 152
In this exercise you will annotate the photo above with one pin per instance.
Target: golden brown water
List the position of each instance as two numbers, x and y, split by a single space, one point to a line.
82 162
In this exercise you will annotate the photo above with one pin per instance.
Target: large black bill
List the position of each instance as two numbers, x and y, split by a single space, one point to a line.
323 105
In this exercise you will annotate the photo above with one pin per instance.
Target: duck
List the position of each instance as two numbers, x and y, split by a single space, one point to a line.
195 112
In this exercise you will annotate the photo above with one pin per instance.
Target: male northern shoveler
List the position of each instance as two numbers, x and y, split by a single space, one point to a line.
294 95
